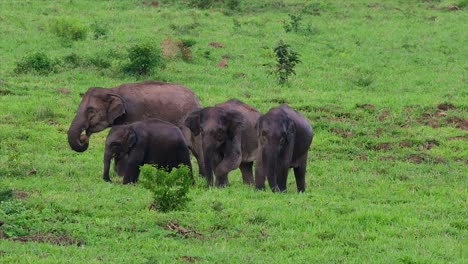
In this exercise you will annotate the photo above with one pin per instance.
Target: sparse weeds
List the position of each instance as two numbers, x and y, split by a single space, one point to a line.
69 29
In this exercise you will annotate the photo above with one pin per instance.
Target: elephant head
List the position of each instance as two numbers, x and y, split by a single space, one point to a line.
276 134
221 132
118 143
99 109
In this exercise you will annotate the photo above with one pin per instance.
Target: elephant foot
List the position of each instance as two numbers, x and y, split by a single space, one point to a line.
107 179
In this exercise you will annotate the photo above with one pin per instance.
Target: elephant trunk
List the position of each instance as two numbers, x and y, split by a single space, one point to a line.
78 141
208 155
270 156
107 161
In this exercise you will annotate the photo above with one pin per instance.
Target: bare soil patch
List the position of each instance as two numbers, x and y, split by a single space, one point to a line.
216 45
459 122
21 195
446 106
185 232
342 132
190 259
61 240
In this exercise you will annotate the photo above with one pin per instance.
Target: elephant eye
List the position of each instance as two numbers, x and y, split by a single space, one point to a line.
90 110
282 141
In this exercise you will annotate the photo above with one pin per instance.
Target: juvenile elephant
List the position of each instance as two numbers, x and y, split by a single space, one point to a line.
151 141
228 140
105 107
284 137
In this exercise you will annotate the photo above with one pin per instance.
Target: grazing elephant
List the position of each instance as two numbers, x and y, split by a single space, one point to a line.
151 141
284 138
228 137
101 108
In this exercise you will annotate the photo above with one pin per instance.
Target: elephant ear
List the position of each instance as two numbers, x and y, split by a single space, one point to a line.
115 109
290 129
234 122
192 121
130 140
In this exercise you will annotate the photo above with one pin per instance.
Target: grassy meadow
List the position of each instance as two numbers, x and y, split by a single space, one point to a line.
384 83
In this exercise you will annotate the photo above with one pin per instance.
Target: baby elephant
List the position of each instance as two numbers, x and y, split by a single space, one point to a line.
151 141
284 138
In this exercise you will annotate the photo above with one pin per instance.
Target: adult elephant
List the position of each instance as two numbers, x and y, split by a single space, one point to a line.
228 138
105 107
284 137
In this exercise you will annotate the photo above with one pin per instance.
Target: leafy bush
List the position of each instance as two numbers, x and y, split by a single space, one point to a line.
100 30
286 60
6 194
463 4
294 24
38 62
69 29
169 189
143 58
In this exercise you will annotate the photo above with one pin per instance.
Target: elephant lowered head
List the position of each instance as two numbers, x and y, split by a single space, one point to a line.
228 139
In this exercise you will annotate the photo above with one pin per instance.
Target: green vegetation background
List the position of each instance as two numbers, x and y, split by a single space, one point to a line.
383 82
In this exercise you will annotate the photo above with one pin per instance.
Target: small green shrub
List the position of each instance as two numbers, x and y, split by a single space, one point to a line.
73 60
143 59
294 24
286 60
100 30
233 4
69 29
38 62
463 4
6 194
169 189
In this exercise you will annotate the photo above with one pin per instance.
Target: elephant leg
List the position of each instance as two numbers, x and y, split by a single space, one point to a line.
247 174
131 174
259 176
282 177
299 173
222 180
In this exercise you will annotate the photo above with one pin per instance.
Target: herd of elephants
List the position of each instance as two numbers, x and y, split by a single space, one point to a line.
158 123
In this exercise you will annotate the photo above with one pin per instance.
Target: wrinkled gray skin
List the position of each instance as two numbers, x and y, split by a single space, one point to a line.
103 107
284 138
151 141
229 139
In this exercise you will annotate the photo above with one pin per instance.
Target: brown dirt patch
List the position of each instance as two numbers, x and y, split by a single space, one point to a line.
366 106
223 63
382 146
453 8
465 137
361 156
169 48
446 106
190 259
151 3
63 90
216 45
185 232
21 195
384 115
430 144
389 158
416 158
405 144
342 132
459 122
48 238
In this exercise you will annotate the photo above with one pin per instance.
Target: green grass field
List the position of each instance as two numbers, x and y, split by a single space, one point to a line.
384 83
